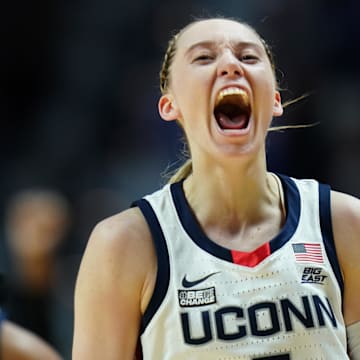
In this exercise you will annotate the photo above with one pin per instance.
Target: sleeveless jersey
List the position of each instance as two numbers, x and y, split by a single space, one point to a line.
280 301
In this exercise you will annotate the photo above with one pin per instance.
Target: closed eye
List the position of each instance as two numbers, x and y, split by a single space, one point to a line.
249 58
205 58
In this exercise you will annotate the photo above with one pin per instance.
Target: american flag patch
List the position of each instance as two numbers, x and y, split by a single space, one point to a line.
305 252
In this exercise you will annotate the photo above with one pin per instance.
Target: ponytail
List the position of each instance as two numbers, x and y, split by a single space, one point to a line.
182 172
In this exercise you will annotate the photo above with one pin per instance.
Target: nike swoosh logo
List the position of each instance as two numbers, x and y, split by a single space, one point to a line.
187 284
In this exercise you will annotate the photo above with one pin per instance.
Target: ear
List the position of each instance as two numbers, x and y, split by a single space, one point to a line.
167 108
277 108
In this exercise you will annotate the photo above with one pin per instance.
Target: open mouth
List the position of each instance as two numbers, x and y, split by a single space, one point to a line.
232 109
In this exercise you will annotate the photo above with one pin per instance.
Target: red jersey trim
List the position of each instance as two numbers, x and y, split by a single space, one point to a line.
252 258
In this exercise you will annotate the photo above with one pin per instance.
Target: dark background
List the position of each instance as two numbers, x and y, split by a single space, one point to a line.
79 90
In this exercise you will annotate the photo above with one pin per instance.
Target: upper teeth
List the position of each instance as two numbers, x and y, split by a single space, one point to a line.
231 91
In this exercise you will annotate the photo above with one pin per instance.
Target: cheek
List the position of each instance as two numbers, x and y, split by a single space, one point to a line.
187 94
267 91
179 84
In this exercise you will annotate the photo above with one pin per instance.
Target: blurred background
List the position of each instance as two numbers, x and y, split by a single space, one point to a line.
81 136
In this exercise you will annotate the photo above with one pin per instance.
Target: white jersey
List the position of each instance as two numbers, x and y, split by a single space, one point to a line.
280 301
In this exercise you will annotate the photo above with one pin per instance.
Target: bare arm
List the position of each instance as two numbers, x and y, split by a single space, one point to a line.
346 226
114 284
18 343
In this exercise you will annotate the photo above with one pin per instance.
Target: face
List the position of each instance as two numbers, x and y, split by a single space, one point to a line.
222 89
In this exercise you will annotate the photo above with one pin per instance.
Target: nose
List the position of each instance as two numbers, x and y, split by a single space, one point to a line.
229 65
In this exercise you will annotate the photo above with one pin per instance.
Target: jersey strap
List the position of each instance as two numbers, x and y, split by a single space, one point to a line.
163 272
327 233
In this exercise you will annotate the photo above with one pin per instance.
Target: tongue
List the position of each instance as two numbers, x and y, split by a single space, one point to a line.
232 123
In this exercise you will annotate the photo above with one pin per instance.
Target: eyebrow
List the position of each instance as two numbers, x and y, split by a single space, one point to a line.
212 44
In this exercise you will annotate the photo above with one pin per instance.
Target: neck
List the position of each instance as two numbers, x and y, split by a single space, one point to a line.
233 201
238 187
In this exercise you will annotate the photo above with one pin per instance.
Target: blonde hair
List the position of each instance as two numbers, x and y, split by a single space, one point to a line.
181 173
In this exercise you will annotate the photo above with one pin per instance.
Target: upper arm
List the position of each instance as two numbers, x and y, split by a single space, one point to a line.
346 226
112 285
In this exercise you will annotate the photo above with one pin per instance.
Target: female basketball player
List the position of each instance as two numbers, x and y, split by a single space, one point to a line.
229 261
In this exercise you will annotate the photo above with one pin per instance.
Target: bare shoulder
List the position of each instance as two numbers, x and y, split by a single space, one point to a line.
345 204
126 231
129 222
121 244
346 220
346 227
